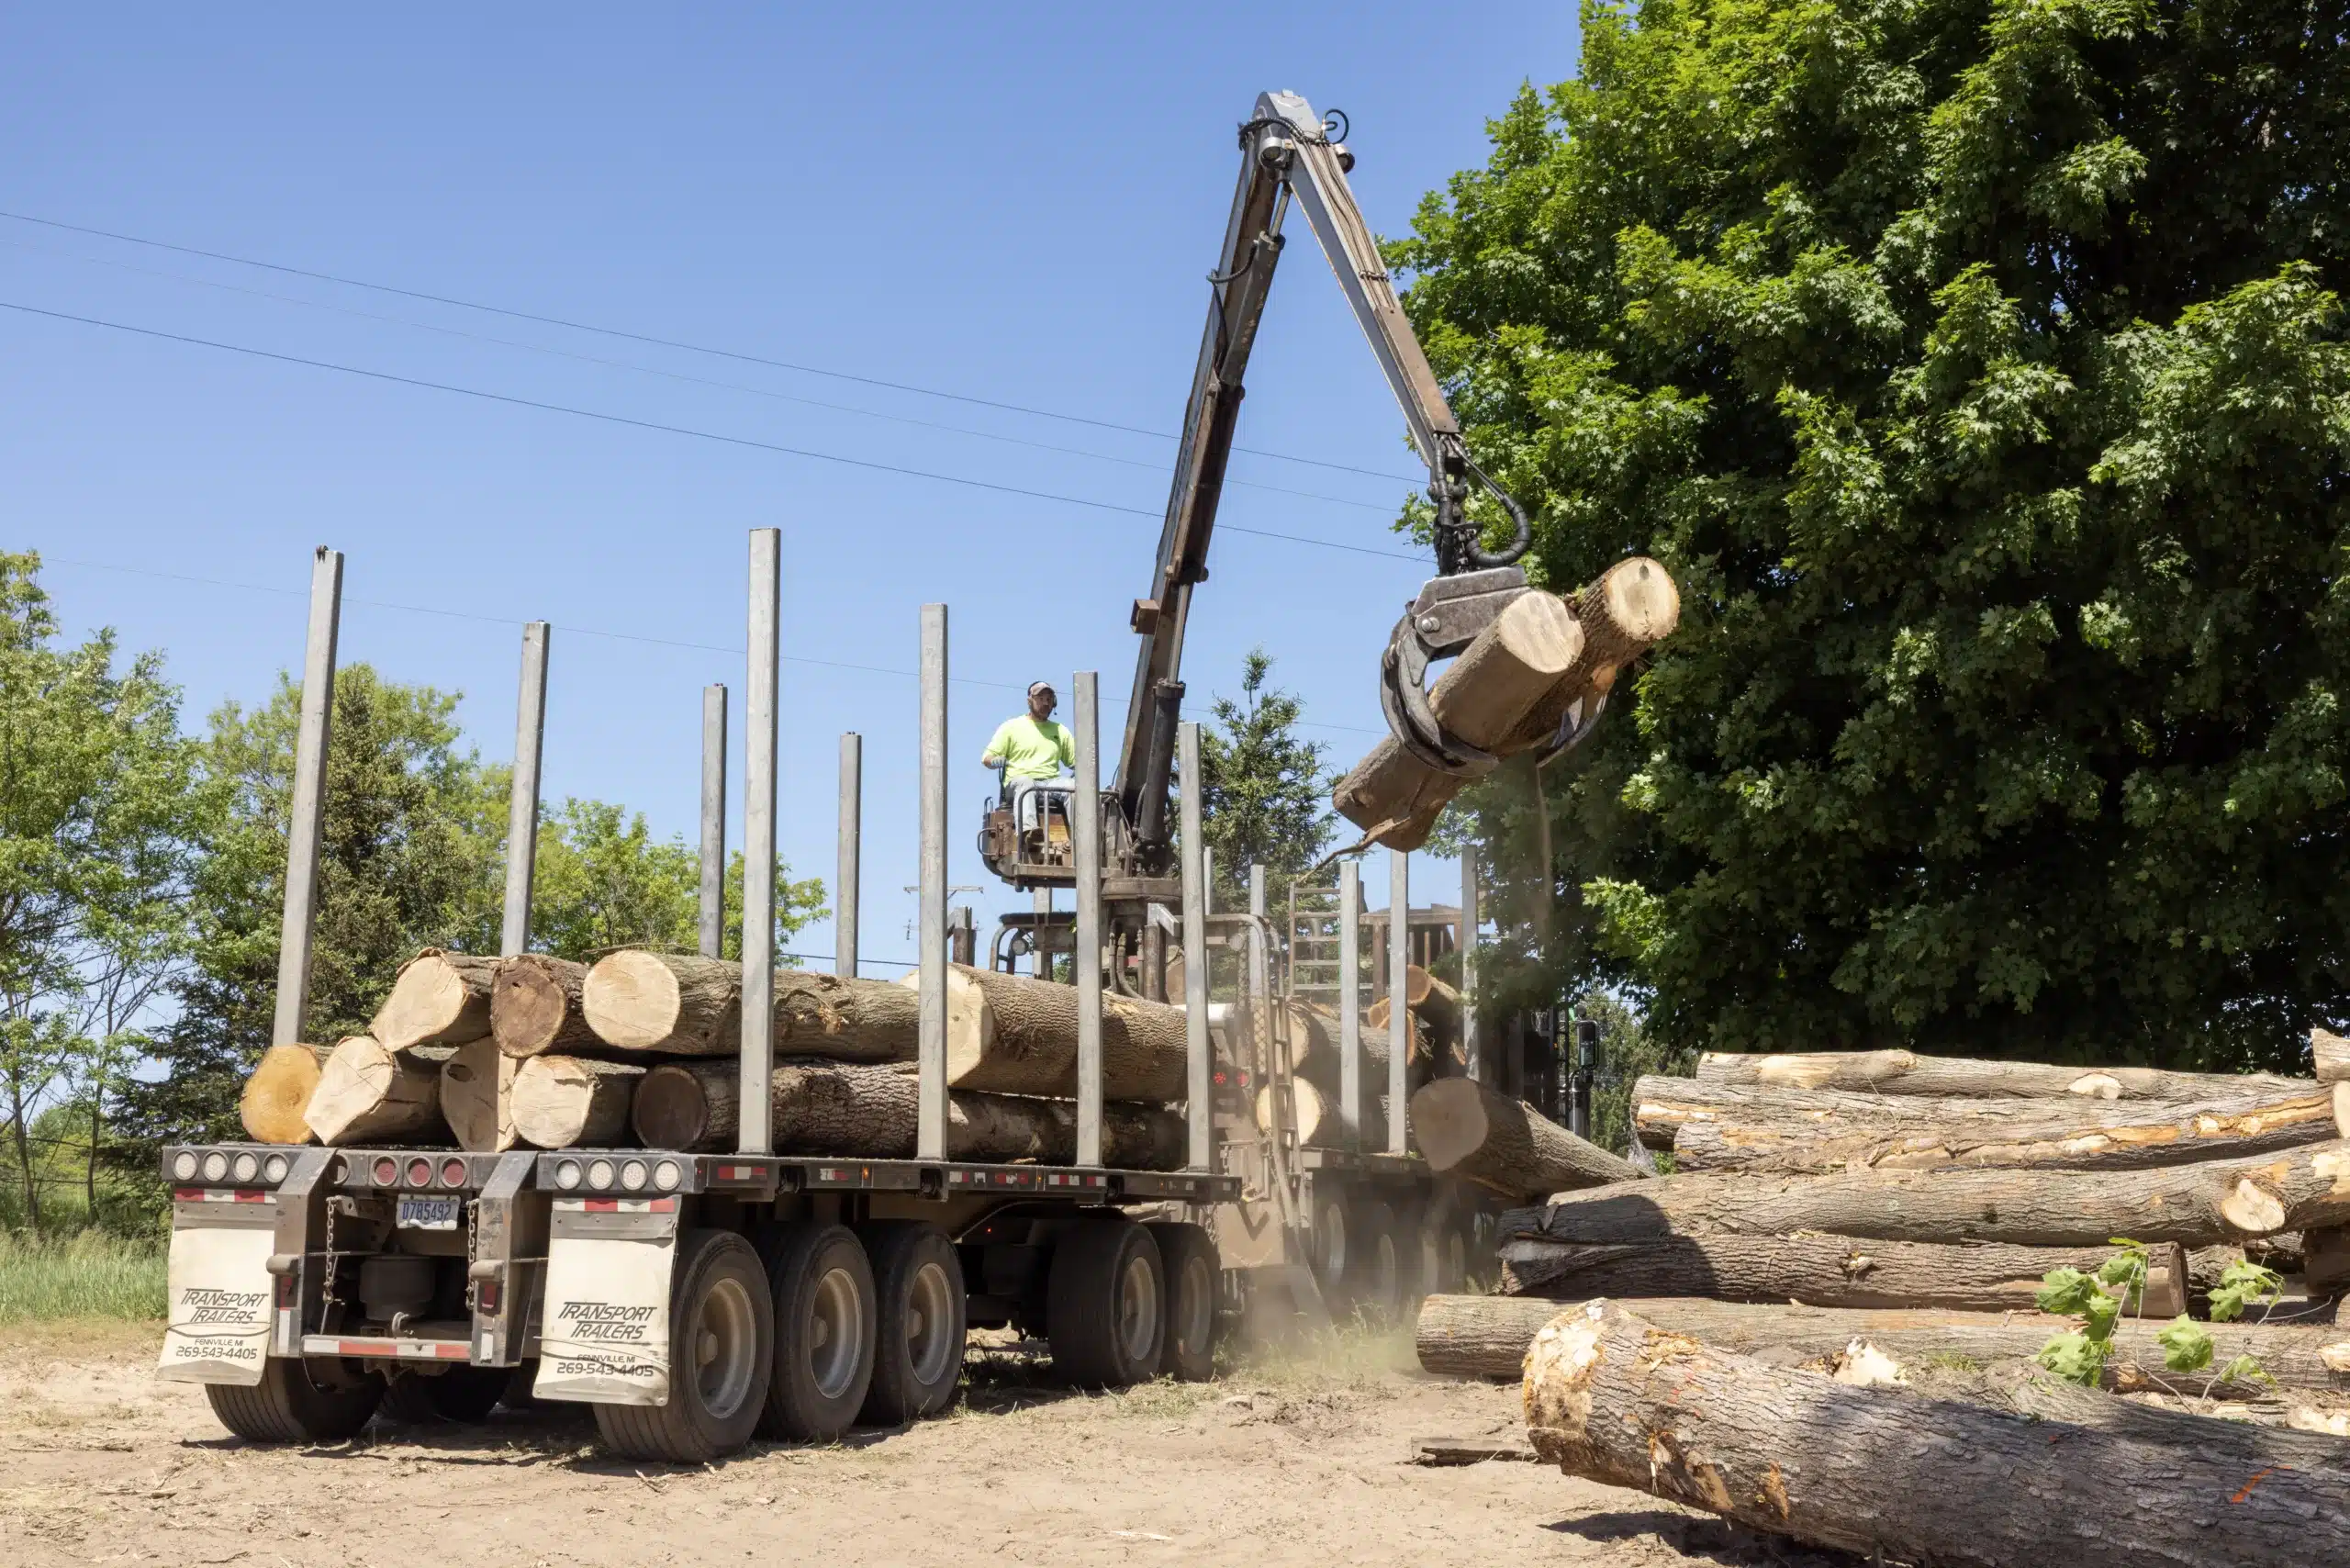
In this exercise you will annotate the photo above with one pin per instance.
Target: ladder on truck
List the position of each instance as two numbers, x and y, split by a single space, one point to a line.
1314 948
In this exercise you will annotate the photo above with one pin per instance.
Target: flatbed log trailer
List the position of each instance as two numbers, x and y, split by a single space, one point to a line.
698 1299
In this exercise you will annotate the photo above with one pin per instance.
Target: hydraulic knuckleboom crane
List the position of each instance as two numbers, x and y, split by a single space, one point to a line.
1287 153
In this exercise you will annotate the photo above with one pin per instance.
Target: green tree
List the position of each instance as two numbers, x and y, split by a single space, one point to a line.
97 844
1977 366
1264 800
409 858
603 881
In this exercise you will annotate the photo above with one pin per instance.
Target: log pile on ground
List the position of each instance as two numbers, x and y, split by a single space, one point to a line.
491 1054
1881 1218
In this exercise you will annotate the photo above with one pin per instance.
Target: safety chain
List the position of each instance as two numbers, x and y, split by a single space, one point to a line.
473 1247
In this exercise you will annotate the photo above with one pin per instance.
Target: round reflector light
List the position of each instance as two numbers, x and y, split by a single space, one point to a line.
246 1167
273 1168
567 1174
215 1166
183 1166
601 1173
633 1176
666 1175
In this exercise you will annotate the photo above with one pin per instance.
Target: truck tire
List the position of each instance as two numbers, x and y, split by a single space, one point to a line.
824 1322
1381 1267
462 1394
1330 1244
722 1342
1444 1253
1188 1262
1102 1301
297 1402
918 1350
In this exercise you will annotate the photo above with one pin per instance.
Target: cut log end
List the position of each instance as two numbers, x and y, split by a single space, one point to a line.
439 998
278 1093
631 1000
534 1005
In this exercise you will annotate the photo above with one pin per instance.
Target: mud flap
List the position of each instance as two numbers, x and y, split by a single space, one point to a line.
219 1292
604 1333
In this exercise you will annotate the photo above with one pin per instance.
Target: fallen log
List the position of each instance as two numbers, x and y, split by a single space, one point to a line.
2330 1053
1822 1270
1717 1127
1615 1399
1906 1072
1017 1034
278 1092
1504 1144
368 1091
671 1004
1633 606
478 1096
2195 1205
534 1006
868 1110
1318 1123
1487 1336
573 1102
438 998
1500 677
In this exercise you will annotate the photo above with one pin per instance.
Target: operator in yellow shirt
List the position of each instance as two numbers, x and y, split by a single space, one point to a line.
1032 750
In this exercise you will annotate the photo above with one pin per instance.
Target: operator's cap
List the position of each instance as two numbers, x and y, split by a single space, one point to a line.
1044 686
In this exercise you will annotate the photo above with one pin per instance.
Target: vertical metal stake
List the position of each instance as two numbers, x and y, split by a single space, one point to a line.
307 815
522 811
1399 991
713 821
1087 827
762 683
1200 1109
845 915
1472 1034
930 1123
1261 1007
1350 1002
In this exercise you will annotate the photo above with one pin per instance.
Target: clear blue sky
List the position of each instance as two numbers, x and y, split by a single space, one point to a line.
1010 204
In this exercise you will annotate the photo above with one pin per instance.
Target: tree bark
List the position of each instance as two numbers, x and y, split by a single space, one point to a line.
1718 1127
278 1093
573 1102
369 1091
1632 606
439 998
1466 1129
2332 1053
866 1111
534 1006
1614 1397
650 1005
478 1096
1906 1072
1487 1336
1823 1270
1497 680
1017 1034
2195 1205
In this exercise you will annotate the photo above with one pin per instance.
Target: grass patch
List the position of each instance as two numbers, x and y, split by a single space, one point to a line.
93 1274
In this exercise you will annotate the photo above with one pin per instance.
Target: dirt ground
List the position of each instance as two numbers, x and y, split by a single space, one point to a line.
1289 1463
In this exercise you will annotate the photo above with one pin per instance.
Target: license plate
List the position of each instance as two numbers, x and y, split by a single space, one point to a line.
430 1213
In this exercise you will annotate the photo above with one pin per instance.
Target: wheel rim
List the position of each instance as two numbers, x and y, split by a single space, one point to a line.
1195 1305
836 1337
1138 1309
724 1348
930 1319
1333 1238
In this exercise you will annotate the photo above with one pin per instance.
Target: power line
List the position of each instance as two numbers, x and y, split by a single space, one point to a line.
667 429
1159 468
670 342
590 632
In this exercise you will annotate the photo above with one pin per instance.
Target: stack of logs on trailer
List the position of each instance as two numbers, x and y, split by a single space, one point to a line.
640 1050
1823 1322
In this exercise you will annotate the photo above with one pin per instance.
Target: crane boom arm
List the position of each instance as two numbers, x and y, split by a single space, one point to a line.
1284 150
